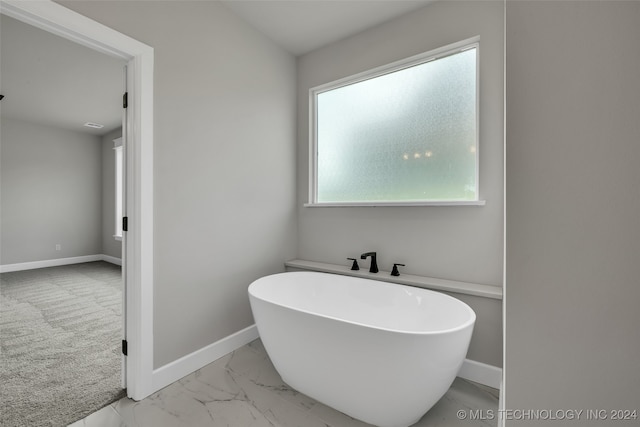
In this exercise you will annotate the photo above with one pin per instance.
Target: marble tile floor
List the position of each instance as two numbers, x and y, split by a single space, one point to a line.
242 389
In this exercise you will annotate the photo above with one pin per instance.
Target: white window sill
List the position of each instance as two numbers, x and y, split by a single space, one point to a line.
118 238
382 204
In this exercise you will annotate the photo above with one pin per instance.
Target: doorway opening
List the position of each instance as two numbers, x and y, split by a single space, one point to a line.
62 283
138 134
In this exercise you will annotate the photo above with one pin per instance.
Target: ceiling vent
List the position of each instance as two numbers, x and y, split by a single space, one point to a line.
93 125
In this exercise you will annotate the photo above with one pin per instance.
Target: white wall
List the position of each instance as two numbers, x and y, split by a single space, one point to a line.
51 193
110 246
224 164
573 208
458 243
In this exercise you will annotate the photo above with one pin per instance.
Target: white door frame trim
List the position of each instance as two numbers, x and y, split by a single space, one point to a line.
64 22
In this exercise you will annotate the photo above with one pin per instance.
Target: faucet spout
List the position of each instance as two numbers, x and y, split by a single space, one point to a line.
374 264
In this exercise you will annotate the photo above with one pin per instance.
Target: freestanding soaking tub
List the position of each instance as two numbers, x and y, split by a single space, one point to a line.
380 352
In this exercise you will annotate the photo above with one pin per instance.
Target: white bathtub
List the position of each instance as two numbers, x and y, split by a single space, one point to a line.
380 352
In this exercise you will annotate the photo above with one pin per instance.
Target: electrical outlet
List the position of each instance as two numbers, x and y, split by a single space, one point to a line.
58 247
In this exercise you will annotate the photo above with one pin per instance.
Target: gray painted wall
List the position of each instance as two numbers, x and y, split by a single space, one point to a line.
457 243
572 201
224 164
110 246
51 193
573 208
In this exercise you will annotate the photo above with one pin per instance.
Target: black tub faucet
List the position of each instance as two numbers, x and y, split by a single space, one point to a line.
374 264
394 270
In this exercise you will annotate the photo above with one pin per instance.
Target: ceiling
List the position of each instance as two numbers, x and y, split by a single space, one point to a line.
50 80
301 26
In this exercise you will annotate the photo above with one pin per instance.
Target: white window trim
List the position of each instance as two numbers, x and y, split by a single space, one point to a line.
451 49
382 204
117 148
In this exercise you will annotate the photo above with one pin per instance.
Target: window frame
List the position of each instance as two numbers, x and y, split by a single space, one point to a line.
422 58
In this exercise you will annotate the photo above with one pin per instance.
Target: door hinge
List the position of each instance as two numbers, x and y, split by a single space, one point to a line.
125 100
124 347
125 223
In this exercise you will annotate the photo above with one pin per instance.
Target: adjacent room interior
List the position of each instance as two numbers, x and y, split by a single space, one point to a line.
62 287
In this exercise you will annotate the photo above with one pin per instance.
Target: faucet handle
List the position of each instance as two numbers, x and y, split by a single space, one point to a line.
355 264
394 270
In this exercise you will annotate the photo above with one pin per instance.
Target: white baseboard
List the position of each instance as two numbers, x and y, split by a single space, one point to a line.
112 259
501 405
471 370
481 373
7 268
182 367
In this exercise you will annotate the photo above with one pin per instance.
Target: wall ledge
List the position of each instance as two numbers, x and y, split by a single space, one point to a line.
487 291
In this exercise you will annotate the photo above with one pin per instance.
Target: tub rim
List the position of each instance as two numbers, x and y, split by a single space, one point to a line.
464 325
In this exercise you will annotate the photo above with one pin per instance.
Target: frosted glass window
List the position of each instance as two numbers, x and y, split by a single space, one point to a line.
406 135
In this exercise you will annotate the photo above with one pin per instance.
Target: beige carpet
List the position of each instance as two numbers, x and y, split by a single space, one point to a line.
60 335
